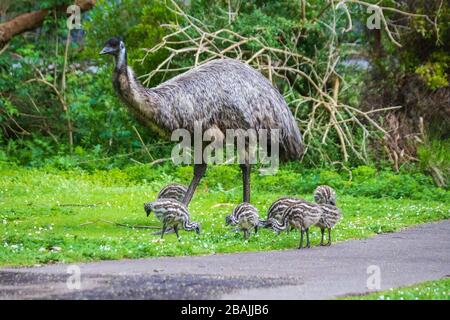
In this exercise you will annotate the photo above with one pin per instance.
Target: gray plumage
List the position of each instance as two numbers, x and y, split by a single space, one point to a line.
172 214
159 207
330 216
302 216
219 95
278 207
224 93
173 191
245 216
325 195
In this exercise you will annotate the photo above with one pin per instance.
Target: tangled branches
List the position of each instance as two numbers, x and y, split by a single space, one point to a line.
312 86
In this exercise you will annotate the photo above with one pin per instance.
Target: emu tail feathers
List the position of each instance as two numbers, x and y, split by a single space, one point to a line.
291 142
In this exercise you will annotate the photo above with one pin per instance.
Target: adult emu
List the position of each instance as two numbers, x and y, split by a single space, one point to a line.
221 94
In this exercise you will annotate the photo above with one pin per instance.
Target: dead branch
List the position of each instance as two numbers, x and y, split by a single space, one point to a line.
380 10
120 224
327 113
143 144
32 20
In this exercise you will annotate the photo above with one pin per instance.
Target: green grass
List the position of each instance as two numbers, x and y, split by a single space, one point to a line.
45 215
430 290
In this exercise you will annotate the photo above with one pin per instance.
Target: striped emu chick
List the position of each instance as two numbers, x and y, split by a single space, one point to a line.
325 195
172 214
278 207
330 216
301 216
173 191
246 217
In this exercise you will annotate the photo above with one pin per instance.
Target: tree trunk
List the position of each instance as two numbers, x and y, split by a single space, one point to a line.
378 47
32 20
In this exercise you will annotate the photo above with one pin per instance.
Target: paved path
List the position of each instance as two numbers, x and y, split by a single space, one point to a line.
414 255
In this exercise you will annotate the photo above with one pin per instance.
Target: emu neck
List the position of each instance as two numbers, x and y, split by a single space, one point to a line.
140 100
284 223
121 60
187 225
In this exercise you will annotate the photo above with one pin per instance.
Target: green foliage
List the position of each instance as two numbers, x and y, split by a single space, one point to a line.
24 6
414 76
101 125
49 215
137 22
434 73
46 206
33 125
434 157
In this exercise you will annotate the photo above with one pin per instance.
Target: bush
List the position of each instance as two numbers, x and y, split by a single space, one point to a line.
434 158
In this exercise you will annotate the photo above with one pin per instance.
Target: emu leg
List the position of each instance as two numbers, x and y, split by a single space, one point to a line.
301 238
322 230
199 172
329 237
175 228
289 229
256 229
246 168
163 230
307 238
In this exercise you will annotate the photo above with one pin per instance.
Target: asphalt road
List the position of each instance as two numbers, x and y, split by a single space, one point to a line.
414 255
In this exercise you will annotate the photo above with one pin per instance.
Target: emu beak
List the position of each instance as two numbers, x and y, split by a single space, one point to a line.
106 50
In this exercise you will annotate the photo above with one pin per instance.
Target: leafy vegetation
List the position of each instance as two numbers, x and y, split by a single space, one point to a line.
50 215
38 127
430 290
71 154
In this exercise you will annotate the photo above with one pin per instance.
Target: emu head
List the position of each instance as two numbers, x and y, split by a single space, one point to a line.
196 227
148 208
115 47
228 220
